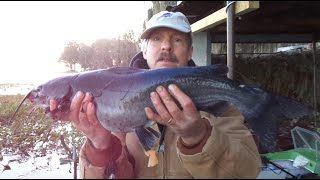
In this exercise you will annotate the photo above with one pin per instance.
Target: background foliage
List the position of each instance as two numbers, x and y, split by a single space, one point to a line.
102 54
289 73
31 132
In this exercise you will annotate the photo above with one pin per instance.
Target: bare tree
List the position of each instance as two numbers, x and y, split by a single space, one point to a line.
70 55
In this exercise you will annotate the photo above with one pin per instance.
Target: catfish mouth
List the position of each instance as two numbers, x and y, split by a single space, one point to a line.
37 99
40 101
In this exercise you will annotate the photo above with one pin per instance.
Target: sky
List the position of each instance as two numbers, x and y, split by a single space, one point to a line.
34 34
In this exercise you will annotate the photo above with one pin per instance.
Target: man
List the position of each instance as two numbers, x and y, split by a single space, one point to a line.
196 144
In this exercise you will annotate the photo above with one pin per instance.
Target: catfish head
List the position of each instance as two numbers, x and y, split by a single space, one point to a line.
58 89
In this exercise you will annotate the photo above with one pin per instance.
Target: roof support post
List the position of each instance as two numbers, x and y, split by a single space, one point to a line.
314 52
230 38
202 44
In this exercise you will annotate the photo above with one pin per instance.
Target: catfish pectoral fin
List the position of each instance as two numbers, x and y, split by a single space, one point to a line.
154 132
146 138
162 128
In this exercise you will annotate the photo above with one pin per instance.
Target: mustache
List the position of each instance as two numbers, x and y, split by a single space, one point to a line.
167 56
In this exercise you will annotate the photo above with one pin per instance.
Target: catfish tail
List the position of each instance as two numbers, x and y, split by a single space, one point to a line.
291 109
277 109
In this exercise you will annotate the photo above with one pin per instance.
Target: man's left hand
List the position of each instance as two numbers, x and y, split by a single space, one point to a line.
184 119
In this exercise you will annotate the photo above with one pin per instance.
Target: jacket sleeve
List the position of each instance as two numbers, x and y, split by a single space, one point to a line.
229 150
123 166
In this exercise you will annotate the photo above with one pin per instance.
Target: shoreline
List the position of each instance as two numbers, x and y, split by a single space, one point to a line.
15 88
25 84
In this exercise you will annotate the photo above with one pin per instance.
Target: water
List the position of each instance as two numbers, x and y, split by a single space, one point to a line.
13 85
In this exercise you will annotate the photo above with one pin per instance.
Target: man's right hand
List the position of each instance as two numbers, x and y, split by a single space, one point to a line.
82 115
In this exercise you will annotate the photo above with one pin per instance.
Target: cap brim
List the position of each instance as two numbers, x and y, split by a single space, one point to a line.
147 32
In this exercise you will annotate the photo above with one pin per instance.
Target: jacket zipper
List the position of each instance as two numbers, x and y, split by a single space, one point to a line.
165 164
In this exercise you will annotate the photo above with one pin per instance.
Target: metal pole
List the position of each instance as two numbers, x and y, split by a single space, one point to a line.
314 52
74 153
230 37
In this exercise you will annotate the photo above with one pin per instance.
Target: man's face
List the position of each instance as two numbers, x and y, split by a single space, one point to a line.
167 48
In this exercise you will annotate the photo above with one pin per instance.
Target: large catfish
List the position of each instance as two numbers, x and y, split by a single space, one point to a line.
122 93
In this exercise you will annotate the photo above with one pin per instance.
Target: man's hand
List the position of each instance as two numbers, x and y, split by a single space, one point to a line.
82 115
185 122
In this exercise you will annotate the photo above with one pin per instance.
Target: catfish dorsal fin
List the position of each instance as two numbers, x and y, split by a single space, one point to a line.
217 69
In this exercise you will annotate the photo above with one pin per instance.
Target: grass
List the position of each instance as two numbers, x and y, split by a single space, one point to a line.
33 133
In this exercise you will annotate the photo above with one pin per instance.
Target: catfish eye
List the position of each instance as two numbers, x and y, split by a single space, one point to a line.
39 88
35 93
